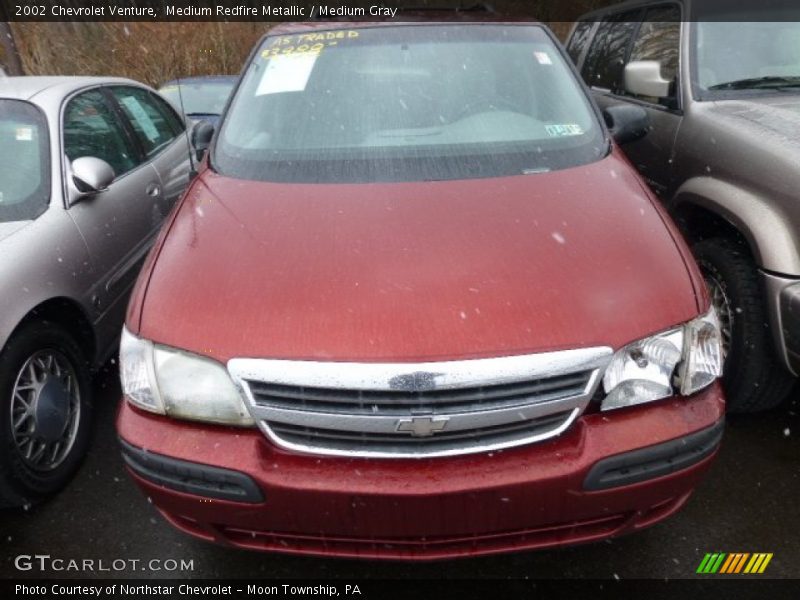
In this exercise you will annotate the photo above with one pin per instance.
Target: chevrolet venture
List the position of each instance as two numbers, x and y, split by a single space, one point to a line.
417 304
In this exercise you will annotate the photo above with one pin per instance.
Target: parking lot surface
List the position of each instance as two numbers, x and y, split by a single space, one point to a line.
748 503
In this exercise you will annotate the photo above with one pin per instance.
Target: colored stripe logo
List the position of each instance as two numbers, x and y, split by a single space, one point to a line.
734 563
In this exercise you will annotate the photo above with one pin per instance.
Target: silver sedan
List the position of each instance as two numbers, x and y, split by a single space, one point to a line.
89 169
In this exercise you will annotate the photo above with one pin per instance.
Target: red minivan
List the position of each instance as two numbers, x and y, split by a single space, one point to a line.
418 305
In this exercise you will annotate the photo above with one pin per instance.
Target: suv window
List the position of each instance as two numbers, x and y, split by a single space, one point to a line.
766 57
659 39
609 49
149 120
579 39
92 128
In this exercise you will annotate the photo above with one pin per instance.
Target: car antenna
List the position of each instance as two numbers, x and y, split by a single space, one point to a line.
192 170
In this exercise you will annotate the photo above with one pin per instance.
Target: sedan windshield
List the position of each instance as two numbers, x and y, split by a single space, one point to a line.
407 103
736 56
24 166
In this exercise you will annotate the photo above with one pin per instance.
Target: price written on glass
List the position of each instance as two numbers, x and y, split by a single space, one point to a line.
311 43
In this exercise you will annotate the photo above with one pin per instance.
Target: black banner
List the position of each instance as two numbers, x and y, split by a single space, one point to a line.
366 10
463 589
254 10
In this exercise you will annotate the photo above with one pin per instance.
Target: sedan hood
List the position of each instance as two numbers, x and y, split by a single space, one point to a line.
9 228
417 271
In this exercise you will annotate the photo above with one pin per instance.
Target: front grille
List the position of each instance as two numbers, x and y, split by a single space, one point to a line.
403 403
398 443
418 410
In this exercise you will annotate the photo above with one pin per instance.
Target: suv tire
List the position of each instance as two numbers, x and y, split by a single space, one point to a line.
753 378
41 367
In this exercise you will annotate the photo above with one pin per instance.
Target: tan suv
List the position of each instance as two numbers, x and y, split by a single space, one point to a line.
722 154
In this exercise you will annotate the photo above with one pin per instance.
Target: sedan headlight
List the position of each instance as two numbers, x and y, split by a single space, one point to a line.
685 359
179 384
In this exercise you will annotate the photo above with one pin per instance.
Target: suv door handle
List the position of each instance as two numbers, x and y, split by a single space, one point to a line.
153 190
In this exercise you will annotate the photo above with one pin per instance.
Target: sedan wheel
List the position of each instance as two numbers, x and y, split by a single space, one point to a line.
45 410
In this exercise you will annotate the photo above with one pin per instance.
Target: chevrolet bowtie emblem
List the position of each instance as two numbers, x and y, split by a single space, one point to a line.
422 426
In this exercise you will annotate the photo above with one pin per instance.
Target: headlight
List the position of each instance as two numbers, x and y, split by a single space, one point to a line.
685 359
702 354
179 384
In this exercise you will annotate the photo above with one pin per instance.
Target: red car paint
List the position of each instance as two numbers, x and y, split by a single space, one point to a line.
528 497
351 272
411 272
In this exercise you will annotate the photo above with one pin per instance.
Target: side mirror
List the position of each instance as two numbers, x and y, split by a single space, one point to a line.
643 78
201 138
91 175
626 123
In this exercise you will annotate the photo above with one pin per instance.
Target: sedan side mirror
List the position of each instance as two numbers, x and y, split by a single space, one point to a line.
643 78
201 138
91 175
626 123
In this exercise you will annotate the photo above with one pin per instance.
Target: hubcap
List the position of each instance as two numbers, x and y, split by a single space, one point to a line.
722 305
45 410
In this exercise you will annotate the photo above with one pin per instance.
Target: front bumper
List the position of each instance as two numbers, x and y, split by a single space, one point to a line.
790 324
541 495
783 304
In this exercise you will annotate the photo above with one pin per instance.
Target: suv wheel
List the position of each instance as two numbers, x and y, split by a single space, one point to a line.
45 412
753 378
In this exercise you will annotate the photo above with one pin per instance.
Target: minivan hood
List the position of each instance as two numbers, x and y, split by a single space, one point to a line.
417 271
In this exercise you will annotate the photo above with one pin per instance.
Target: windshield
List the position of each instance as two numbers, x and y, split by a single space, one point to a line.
747 56
199 98
25 180
407 103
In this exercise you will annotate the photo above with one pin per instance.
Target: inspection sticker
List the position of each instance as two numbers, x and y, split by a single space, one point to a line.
24 134
543 58
286 73
563 129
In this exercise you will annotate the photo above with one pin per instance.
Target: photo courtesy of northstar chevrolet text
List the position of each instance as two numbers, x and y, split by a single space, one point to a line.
444 292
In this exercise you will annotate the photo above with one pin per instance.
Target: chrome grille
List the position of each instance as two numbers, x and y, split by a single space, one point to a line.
398 402
418 409
399 443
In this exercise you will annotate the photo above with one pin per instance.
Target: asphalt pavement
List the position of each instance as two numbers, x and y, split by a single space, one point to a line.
750 502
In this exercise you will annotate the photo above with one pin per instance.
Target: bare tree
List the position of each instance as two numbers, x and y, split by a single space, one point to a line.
10 51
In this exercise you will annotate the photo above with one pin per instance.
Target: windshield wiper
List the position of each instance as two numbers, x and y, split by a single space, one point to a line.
769 82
